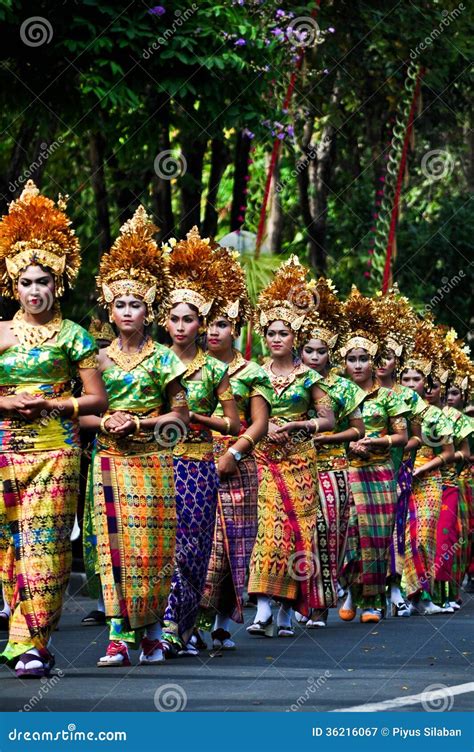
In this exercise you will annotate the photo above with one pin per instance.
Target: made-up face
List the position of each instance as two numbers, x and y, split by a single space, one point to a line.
454 397
280 339
433 393
315 354
413 379
219 335
129 314
359 365
387 365
36 289
183 324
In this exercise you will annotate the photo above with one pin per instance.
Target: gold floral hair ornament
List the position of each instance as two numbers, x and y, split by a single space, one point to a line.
364 328
328 323
194 269
455 359
135 265
425 350
232 301
397 320
289 297
37 231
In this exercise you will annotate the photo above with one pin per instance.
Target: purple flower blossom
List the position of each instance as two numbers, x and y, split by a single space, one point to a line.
158 10
331 29
240 42
280 13
281 136
290 130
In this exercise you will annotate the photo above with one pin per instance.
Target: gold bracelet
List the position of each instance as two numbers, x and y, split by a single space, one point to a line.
353 428
417 438
227 424
226 395
103 427
249 439
443 460
136 420
389 440
75 408
460 455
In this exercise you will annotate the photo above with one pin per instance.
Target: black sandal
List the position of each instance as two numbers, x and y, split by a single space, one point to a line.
262 628
4 621
94 619
44 657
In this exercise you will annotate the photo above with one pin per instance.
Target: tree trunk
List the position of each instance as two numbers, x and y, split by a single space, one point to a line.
96 154
220 158
11 188
241 167
191 182
320 175
275 220
161 187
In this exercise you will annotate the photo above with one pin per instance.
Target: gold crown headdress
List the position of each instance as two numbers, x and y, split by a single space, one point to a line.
194 270
328 322
37 231
362 318
398 322
135 266
235 306
289 297
425 350
101 330
455 359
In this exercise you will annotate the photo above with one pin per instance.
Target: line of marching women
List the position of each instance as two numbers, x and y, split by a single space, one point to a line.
335 475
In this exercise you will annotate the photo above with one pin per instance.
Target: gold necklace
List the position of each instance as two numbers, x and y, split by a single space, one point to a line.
196 363
237 362
34 335
129 361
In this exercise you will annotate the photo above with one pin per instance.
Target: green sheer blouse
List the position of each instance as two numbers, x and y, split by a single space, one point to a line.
383 412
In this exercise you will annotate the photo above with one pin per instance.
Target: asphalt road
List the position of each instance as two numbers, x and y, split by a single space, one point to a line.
344 666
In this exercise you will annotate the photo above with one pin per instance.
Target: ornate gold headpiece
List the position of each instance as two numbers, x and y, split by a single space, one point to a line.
425 351
328 323
362 318
397 320
37 231
289 297
135 266
233 302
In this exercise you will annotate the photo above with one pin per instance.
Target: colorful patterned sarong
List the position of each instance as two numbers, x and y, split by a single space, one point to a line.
448 534
397 545
283 562
331 533
135 519
466 505
420 539
38 505
371 523
234 537
196 501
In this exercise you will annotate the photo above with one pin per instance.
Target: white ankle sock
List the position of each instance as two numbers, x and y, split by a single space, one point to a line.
222 622
284 615
263 608
6 609
348 601
153 631
395 594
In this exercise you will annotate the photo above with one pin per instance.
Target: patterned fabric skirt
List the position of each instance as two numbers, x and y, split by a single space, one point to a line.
371 523
37 508
196 501
234 537
89 538
135 520
448 535
397 545
283 562
466 489
466 528
420 539
331 533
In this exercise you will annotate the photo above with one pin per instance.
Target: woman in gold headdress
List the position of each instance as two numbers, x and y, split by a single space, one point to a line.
236 520
196 272
422 372
40 355
398 324
283 563
325 332
131 483
371 470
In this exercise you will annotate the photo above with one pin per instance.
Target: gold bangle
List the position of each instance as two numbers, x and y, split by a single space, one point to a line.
417 438
353 428
226 395
227 424
75 408
103 427
249 439
389 440
460 455
136 420
442 459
